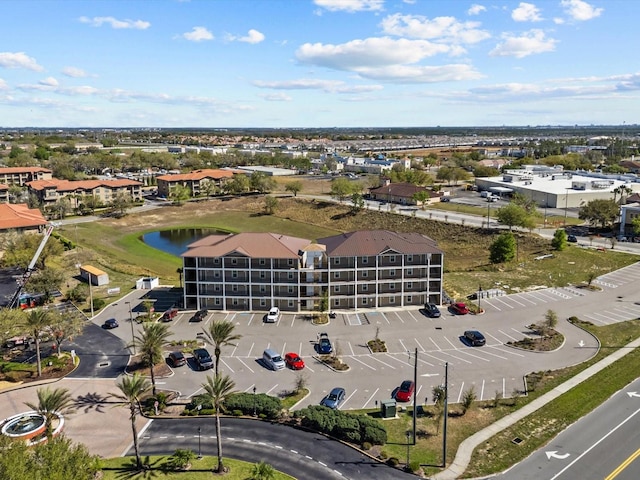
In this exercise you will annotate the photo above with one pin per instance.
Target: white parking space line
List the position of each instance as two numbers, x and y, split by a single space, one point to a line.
351 348
404 347
508 351
507 335
399 317
293 318
450 343
457 358
398 358
370 398
284 348
628 310
505 304
434 343
234 350
537 296
361 362
385 317
460 392
347 399
468 350
593 319
439 360
523 296
482 391
425 362
226 365
493 354
488 302
545 294
419 345
307 367
252 345
415 318
268 392
560 294
384 363
620 313
245 365
512 298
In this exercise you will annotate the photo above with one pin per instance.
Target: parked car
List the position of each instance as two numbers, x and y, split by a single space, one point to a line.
334 399
445 199
475 338
200 315
273 359
169 315
273 316
572 238
459 308
405 391
110 323
202 358
324 344
293 361
431 310
176 359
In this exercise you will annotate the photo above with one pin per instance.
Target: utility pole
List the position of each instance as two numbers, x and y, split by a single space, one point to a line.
415 393
446 414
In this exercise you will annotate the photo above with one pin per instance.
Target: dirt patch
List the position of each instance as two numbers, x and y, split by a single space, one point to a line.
160 370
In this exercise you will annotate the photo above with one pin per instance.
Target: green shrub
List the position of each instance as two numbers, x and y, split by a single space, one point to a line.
265 405
237 413
393 462
366 446
414 466
345 426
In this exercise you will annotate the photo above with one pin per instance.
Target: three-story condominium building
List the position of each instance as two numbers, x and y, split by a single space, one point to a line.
364 269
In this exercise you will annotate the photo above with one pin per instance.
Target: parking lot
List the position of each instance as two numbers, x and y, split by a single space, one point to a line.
495 368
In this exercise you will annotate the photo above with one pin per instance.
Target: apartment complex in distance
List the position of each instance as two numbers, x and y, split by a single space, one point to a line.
357 270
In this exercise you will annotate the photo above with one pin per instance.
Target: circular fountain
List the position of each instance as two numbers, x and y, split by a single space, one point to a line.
24 426
30 427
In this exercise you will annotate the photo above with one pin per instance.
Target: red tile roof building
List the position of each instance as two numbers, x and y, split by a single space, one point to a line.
18 216
195 181
22 175
357 270
50 191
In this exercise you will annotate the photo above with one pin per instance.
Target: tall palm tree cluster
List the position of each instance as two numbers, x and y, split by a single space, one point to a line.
150 343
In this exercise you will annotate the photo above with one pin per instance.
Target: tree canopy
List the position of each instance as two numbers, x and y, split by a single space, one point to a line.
600 212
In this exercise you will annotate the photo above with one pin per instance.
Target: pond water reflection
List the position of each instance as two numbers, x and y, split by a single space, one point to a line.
176 241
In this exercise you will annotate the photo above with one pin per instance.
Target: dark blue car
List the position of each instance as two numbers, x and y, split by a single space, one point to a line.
324 344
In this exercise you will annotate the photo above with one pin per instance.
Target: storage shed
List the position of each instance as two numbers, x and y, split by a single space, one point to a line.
147 283
94 275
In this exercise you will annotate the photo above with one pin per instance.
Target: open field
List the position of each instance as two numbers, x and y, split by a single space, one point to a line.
115 245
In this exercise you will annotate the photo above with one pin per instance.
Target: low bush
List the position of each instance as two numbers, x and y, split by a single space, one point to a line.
344 426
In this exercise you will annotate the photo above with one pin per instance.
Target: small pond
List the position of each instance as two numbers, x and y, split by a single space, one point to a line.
176 241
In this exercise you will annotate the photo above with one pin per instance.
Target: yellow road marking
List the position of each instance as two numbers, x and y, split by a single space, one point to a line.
623 465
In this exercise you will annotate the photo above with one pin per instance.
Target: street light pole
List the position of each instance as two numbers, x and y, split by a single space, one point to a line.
133 337
199 451
488 213
90 294
415 393
407 464
254 400
479 297
446 414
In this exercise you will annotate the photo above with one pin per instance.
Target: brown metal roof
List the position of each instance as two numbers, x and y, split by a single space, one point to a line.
375 242
255 245
73 185
403 189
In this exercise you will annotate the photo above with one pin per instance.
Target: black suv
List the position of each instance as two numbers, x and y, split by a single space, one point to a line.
199 315
431 310
202 358
475 338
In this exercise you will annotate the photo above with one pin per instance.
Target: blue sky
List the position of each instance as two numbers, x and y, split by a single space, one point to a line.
318 63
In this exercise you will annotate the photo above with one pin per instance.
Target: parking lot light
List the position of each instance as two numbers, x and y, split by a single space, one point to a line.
254 400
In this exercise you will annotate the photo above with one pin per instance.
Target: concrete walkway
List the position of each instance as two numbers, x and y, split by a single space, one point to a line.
466 448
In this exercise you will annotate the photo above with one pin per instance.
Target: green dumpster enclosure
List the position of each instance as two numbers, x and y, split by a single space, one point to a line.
388 408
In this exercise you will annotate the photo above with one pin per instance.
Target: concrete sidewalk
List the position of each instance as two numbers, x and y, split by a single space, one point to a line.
466 448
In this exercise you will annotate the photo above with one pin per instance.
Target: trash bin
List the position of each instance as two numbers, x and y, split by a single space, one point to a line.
388 409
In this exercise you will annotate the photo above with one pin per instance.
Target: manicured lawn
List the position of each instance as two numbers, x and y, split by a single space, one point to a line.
121 468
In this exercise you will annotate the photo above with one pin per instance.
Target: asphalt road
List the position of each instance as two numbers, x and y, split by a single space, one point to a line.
302 454
603 444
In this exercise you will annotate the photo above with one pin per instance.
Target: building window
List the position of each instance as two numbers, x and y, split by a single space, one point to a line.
234 302
365 274
409 271
290 262
336 289
409 258
365 260
336 261
392 259
216 274
262 261
234 288
336 275
365 301
409 285
263 289
234 261
336 302
392 286
290 290
216 301
263 302
290 275
409 298
234 274
392 300
290 303
392 272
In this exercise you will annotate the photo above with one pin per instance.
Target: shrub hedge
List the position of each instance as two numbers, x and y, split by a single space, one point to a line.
351 428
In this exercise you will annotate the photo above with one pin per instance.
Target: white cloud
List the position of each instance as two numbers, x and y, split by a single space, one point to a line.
49 82
115 23
422 74
74 72
277 97
580 10
198 34
19 60
529 43
368 53
253 36
3 84
476 9
526 12
443 28
327 86
350 6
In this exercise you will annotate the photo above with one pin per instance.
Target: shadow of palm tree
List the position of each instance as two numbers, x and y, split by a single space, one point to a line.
149 469
91 401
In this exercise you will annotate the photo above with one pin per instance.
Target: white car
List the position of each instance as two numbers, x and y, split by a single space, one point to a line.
273 316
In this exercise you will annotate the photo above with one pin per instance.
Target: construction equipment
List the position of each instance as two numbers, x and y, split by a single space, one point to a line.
27 274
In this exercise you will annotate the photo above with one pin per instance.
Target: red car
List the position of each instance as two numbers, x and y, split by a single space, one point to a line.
294 361
405 391
459 308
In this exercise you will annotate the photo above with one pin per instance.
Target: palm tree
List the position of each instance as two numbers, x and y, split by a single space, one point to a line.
179 271
262 471
37 320
149 343
51 404
220 334
132 388
217 390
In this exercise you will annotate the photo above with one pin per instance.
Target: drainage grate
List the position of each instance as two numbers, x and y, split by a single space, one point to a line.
517 440
104 364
